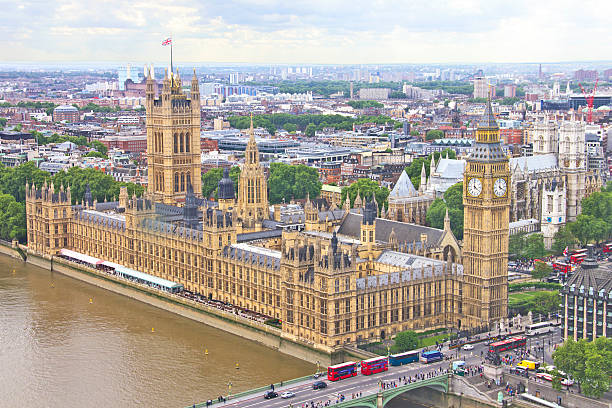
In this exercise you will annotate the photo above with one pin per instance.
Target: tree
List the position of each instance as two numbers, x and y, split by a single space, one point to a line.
405 341
453 202
434 134
271 129
541 270
94 153
587 228
588 363
210 180
13 180
414 132
310 130
287 182
364 104
290 127
12 219
534 247
562 239
516 244
99 146
365 188
103 186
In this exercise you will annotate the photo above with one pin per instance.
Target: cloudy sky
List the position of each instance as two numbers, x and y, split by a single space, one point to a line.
307 31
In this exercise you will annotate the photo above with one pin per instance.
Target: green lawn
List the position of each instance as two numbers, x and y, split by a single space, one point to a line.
430 341
518 297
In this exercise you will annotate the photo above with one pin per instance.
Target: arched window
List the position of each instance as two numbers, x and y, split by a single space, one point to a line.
182 181
187 149
182 143
176 181
175 143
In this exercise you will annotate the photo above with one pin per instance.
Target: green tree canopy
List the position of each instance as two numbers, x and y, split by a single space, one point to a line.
310 130
434 134
96 154
12 219
103 186
210 180
562 239
406 341
289 182
13 180
541 270
99 146
527 246
588 363
364 104
290 127
453 201
366 187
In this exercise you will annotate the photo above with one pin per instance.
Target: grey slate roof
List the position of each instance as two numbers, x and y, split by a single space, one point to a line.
405 232
451 168
538 162
265 234
403 187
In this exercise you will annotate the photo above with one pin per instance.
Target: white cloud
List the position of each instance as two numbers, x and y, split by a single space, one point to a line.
308 31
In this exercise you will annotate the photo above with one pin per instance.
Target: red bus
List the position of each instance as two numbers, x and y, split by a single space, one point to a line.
341 371
577 258
607 248
508 344
374 365
560 267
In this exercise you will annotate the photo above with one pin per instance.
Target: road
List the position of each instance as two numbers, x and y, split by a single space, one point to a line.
367 385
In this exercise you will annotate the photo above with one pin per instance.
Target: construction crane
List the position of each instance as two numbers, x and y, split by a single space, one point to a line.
589 100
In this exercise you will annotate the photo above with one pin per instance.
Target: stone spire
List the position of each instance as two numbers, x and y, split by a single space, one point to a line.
423 185
447 225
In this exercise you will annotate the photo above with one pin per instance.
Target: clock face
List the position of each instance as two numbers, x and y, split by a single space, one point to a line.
500 187
474 187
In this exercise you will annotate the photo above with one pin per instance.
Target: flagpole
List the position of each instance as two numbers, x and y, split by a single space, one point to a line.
171 66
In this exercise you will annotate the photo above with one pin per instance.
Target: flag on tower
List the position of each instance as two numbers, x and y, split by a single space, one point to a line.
167 41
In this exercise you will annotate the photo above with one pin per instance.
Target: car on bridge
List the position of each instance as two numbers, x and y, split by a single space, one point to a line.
287 394
270 395
467 347
319 385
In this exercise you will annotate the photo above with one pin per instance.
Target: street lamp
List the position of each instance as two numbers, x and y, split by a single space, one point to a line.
229 390
318 367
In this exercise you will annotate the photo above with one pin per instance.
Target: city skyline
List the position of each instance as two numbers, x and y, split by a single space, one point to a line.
305 33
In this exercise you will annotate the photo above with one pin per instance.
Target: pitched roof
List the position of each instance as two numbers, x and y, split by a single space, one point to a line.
403 187
404 232
538 162
450 168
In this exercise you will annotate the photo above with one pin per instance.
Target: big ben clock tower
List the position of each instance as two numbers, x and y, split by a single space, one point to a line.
486 227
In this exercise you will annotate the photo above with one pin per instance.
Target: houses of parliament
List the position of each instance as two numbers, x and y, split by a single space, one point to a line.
349 277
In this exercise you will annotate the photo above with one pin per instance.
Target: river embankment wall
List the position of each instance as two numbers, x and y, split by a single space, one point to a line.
267 335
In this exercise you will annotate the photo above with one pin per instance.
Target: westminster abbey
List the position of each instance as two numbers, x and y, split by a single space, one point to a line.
348 277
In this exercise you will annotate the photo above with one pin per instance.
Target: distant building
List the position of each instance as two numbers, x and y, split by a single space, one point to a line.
374 93
481 87
509 91
607 74
66 112
123 74
585 75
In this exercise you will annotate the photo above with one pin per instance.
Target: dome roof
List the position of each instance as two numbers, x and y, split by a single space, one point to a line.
226 186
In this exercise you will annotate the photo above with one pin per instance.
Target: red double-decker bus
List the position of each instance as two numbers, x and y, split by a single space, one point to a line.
578 258
374 365
560 267
607 248
508 344
341 371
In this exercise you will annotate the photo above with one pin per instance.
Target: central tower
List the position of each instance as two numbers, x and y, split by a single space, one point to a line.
252 205
486 227
173 140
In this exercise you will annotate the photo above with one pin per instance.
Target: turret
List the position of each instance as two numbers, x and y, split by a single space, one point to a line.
225 192
423 185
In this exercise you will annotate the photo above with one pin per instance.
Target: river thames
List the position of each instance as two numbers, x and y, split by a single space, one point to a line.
65 343
59 350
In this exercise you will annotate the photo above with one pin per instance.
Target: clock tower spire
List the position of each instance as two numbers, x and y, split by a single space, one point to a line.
486 227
